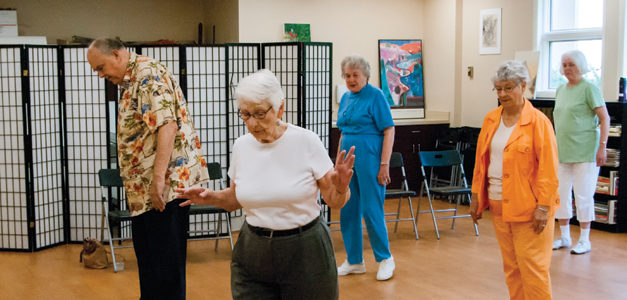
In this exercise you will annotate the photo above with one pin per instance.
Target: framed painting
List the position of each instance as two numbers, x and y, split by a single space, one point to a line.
401 73
490 31
296 33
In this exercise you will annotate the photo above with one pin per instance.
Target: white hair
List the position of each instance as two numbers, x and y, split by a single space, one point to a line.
578 58
511 70
356 61
261 86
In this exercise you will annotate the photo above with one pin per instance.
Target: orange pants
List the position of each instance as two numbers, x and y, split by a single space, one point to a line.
526 255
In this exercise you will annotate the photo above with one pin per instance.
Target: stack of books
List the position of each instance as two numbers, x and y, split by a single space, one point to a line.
615 130
603 185
605 213
613 157
608 185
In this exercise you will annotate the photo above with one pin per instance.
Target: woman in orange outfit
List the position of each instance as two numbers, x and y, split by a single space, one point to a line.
516 177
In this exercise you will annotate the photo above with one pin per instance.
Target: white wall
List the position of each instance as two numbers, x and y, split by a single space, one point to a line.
353 26
439 55
517 34
223 14
129 20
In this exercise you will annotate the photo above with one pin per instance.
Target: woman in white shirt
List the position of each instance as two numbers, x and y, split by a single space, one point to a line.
284 250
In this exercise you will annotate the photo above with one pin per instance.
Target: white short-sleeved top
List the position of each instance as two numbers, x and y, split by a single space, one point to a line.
276 183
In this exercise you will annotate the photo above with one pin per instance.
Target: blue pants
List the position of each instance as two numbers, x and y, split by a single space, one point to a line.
366 200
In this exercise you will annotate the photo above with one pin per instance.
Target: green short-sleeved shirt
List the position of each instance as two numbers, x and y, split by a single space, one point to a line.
576 123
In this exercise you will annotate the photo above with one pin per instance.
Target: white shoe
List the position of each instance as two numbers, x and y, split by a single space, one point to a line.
561 243
582 247
386 269
347 268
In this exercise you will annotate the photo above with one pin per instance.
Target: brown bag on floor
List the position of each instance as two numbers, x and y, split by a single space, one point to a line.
93 254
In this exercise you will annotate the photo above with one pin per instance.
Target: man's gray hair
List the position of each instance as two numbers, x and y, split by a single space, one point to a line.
578 58
261 86
511 70
106 45
356 62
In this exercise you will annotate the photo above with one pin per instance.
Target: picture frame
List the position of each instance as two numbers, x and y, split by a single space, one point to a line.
296 32
401 73
490 31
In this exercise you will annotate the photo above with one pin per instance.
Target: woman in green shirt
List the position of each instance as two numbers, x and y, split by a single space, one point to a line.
579 110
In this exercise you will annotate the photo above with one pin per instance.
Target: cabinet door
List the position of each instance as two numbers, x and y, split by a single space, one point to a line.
411 139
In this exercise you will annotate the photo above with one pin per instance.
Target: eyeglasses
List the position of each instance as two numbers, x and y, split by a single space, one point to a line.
507 89
260 115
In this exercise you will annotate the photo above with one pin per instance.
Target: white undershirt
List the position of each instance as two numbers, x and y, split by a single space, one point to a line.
495 170
276 183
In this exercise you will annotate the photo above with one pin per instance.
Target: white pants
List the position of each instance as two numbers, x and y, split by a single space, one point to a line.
580 178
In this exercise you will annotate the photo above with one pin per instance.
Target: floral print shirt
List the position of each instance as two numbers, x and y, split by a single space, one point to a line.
151 98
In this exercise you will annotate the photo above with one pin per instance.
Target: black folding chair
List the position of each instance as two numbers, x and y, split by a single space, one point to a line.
114 212
215 173
396 162
440 159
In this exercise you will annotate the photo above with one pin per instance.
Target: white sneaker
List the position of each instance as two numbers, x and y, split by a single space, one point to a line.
561 243
347 268
386 269
582 247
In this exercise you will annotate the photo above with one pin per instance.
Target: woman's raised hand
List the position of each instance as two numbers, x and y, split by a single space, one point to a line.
343 170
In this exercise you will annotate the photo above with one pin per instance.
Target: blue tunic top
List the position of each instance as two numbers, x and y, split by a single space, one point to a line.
364 112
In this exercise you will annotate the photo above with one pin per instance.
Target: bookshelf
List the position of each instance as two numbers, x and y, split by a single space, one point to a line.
611 196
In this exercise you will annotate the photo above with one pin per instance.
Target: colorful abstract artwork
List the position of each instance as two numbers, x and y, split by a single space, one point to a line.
296 33
402 81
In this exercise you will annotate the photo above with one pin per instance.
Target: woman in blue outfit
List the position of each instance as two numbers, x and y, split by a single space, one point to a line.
365 121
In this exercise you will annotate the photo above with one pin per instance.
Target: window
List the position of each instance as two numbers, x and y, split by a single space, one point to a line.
566 25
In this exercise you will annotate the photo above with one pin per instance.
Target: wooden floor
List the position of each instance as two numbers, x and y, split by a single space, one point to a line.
458 266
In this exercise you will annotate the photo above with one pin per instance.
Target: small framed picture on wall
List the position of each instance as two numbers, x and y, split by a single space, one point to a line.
490 31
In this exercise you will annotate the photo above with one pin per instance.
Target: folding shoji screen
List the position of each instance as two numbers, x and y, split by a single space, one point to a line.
206 97
87 143
57 125
317 90
205 70
167 55
31 171
304 70
14 233
45 134
283 59
243 60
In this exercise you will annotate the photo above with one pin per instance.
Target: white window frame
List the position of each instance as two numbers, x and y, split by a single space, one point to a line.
546 36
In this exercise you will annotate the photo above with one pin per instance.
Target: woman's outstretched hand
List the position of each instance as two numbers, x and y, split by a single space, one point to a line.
195 195
343 170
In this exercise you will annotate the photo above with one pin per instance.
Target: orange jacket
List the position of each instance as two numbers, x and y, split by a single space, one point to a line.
529 165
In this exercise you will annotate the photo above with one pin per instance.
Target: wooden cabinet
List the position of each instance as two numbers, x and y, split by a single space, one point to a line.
618 117
408 140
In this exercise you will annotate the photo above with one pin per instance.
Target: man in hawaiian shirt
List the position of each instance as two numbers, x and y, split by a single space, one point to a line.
158 151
